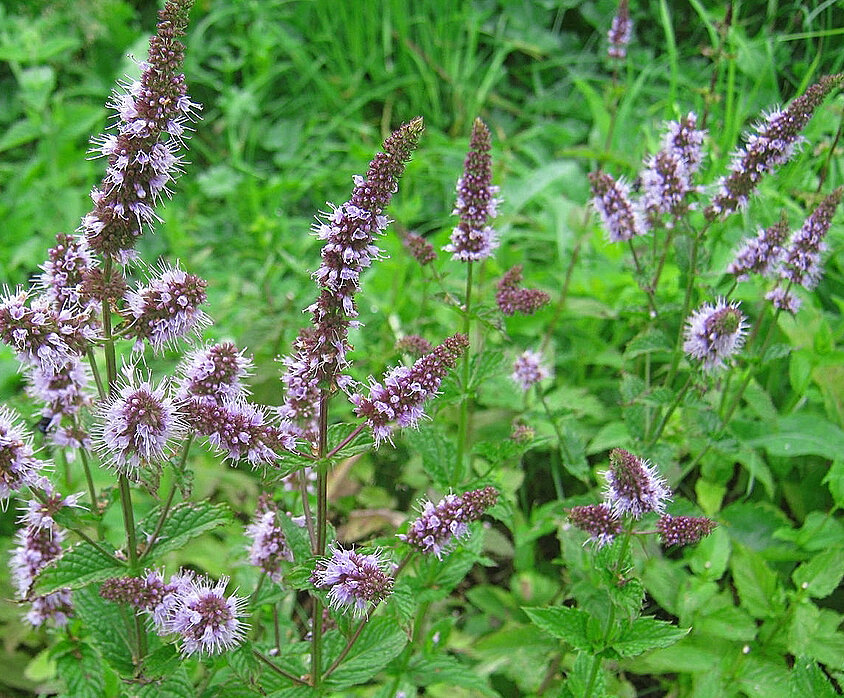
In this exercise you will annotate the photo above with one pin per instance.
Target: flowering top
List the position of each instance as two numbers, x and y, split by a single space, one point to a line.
439 524
620 31
511 298
621 219
18 465
213 373
473 239
773 144
142 156
528 369
761 254
401 398
714 333
349 232
634 486
269 544
166 309
684 140
598 520
207 620
65 270
137 427
354 580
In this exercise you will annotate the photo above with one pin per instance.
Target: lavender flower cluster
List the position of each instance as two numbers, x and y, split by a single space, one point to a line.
511 298
633 489
191 606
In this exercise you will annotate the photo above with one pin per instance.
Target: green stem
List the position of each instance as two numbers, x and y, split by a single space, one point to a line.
278 670
462 426
673 406
92 359
640 274
564 293
92 491
321 532
690 283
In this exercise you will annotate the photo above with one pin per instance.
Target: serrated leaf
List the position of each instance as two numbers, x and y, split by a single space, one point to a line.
111 622
80 667
380 641
647 342
244 663
821 575
647 633
807 679
569 624
185 521
801 435
361 443
497 452
78 566
175 685
486 365
755 582
162 661
444 668
438 454
834 480
580 676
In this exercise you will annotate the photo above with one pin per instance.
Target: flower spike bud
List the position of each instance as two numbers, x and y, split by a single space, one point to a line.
774 143
511 298
269 544
19 467
598 520
683 530
621 219
474 239
620 31
761 254
634 487
714 333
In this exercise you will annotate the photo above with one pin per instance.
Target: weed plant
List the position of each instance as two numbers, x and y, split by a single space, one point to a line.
582 413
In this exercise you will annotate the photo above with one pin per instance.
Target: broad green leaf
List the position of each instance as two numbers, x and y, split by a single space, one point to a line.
821 575
569 624
814 632
438 454
710 556
647 342
380 641
647 633
361 443
802 435
176 684
755 582
578 678
757 469
112 622
297 538
449 670
78 566
185 521
486 365
758 676
834 479
807 679
80 667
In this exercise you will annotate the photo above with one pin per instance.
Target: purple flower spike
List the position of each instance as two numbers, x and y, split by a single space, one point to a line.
354 580
683 530
784 299
598 520
634 486
684 140
474 239
421 250
65 270
166 309
528 369
773 144
511 298
208 621
438 526
401 398
213 374
714 333
414 344
63 392
621 220
18 466
269 544
620 31
137 427
761 254
142 155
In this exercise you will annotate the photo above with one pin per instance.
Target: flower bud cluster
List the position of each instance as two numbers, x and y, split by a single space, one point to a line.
63 279
354 580
19 467
142 155
620 31
439 525
414 344
421 250
269 544
621 219
511 298
400 399
191 606
474 239
528 369
761 254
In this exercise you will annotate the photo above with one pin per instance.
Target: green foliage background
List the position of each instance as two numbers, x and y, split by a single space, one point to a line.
298 95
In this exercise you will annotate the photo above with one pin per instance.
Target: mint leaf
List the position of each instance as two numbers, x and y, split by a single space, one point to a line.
80 667
380 641
186 520
821 575
110 621
569 624
438 454
646 633
77 566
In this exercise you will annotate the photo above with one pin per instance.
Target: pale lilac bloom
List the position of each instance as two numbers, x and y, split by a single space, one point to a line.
354 580
439 525
401 398
55 608
634 487
761 254
474 239
598 520
166 309
529 369
150 594
714 333
214 373
685 141
784 299
64 272
666 186
620 31
19 467
269 544
138 427
206 619
621 218
63 392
